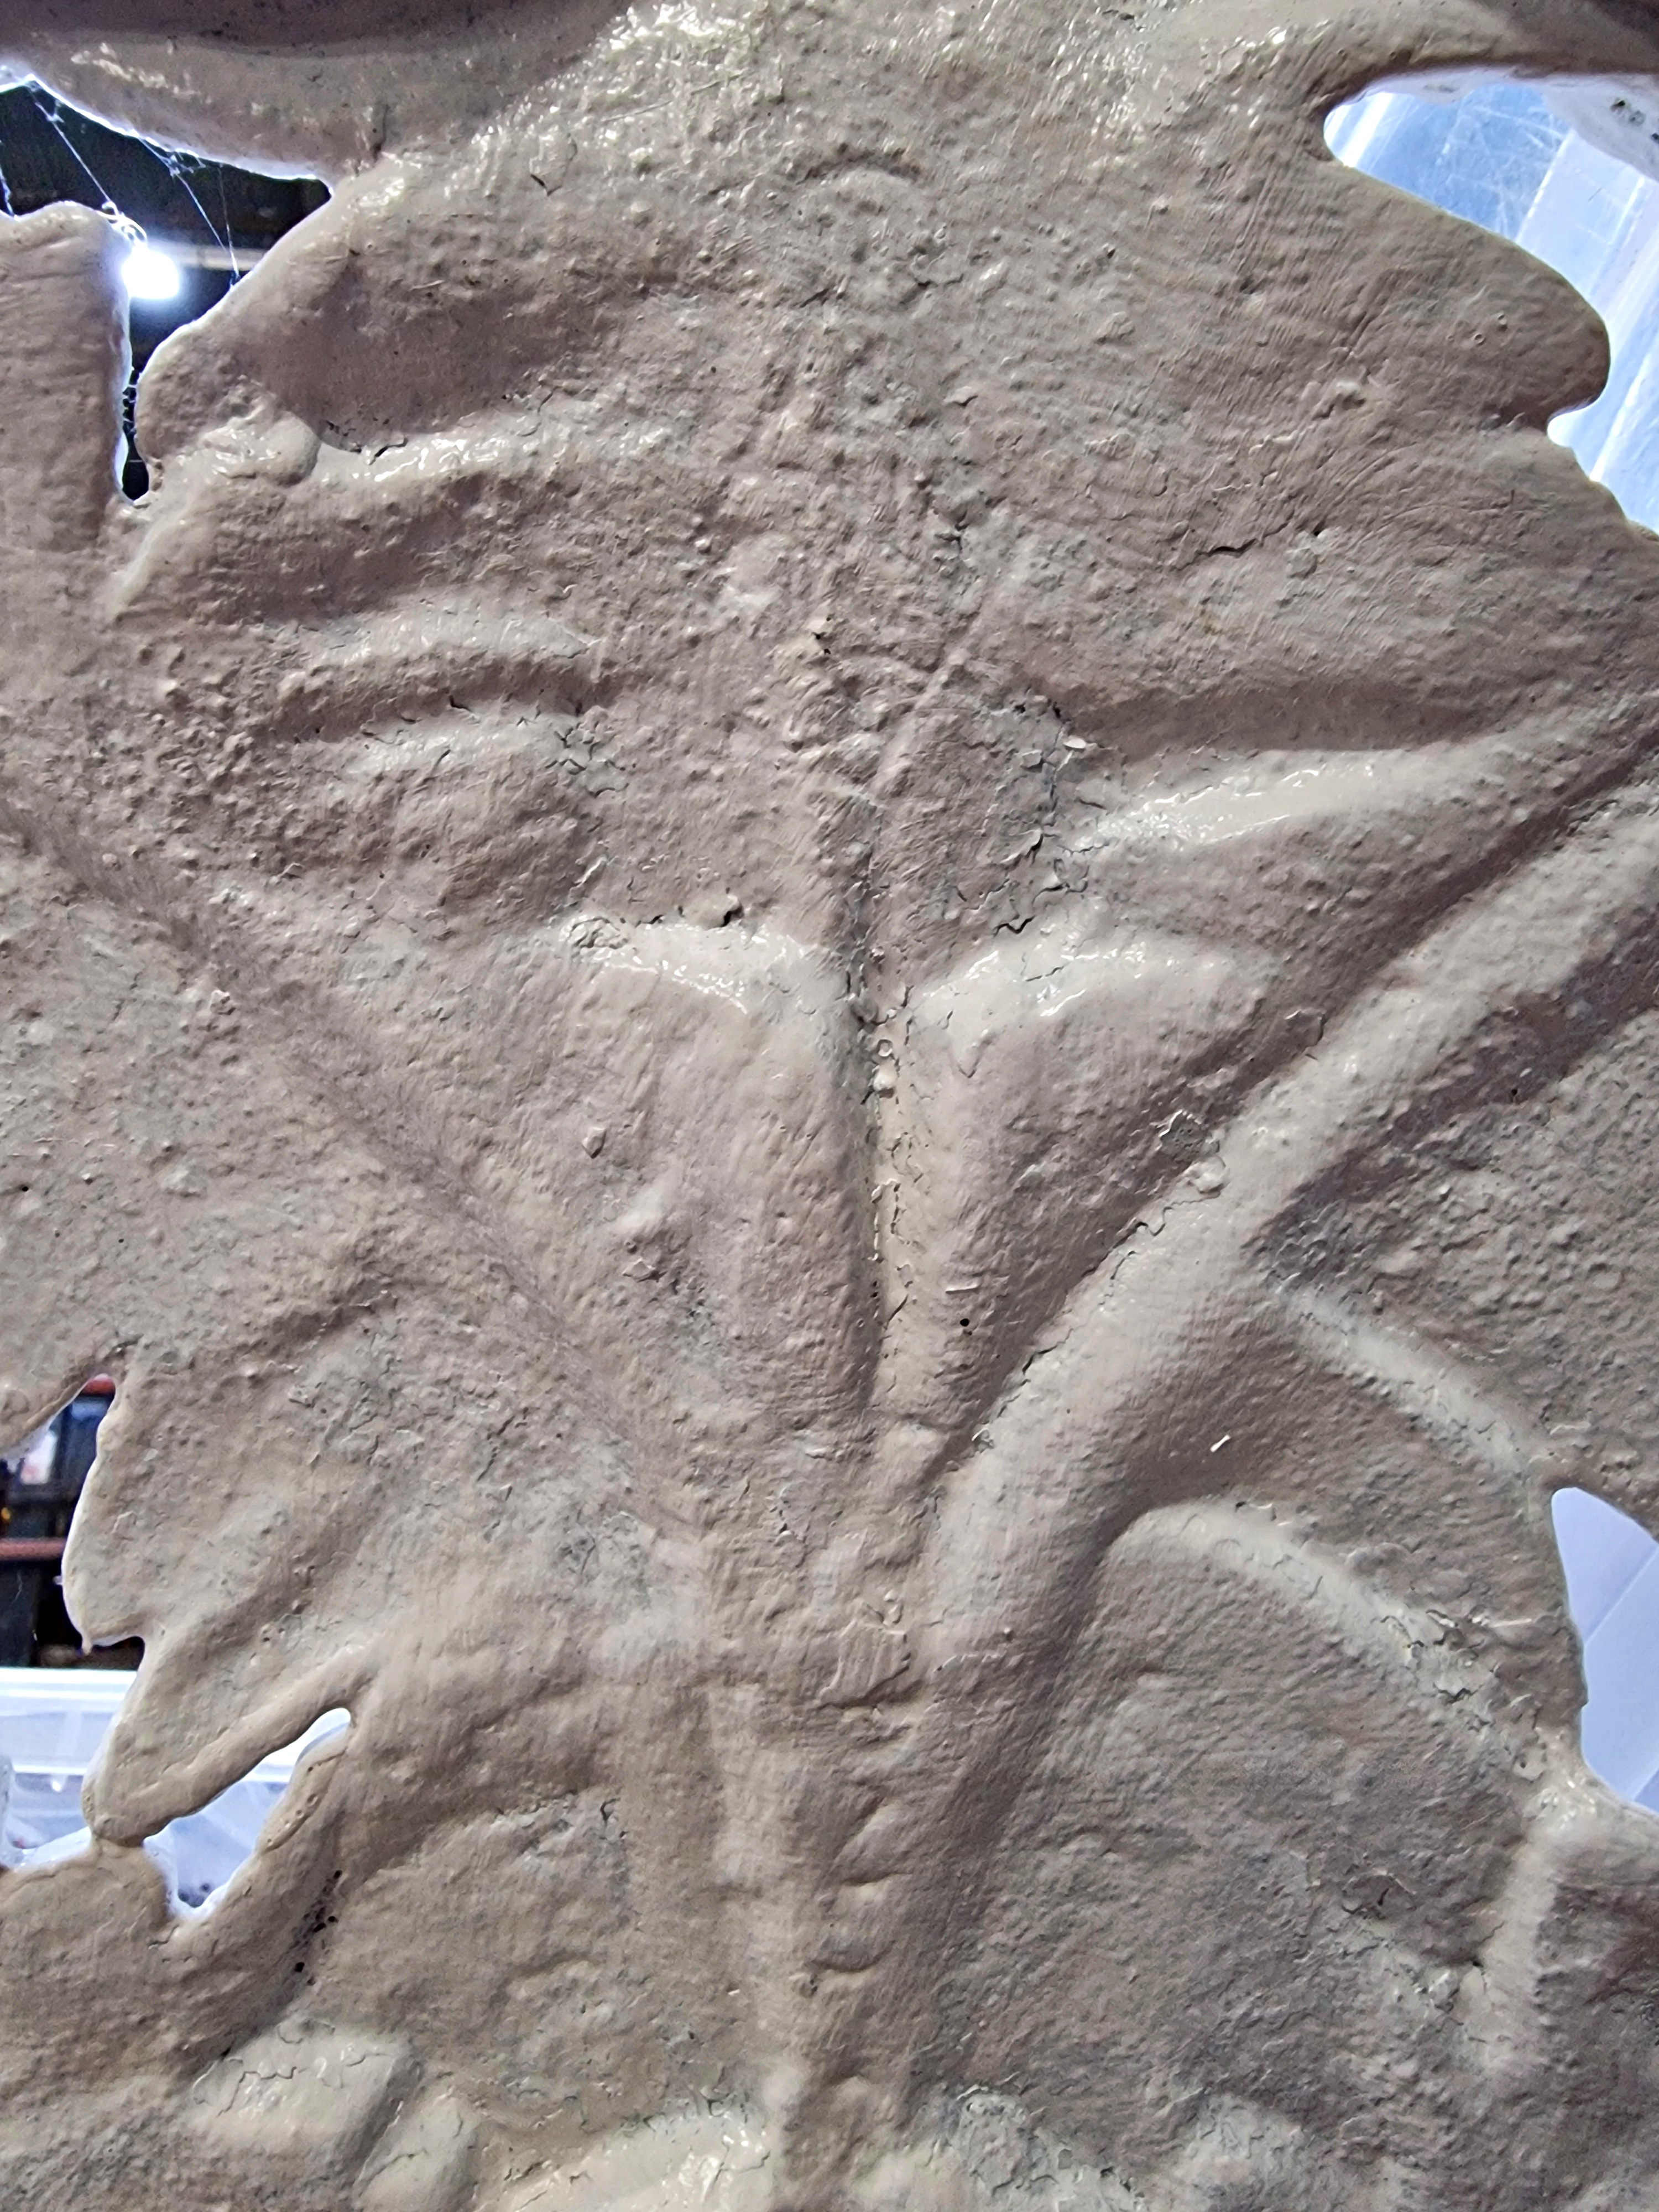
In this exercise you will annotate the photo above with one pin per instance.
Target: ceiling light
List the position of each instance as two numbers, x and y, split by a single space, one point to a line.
149 275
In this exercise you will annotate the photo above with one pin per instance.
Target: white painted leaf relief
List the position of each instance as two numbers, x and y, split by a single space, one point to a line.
809 958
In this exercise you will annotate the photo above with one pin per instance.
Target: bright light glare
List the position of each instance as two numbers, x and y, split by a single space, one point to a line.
150 275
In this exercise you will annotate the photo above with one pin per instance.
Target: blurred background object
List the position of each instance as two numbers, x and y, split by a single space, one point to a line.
1611 1568
40 1481
1514 158
50 1727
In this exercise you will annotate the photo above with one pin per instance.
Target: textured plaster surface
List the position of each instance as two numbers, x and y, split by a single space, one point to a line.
831 964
